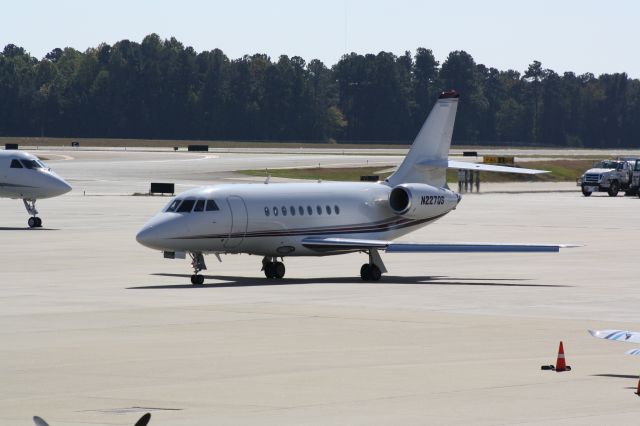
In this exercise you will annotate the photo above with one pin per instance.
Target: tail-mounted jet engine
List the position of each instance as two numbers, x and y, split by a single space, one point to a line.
416 200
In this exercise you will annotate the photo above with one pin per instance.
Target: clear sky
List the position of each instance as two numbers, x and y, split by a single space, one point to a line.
580 36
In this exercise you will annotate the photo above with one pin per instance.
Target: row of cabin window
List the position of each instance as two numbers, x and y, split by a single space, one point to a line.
187 206
292 210
27 164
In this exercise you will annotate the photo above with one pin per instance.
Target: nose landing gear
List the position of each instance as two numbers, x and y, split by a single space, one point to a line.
272 268
197 263
34 221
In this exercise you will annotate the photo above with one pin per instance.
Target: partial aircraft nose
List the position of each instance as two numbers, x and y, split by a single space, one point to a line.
58 186
158 232
147 236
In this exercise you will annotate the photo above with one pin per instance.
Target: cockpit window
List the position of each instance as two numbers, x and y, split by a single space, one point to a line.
173 206
32 164
199 206
15 164
212 206
186 206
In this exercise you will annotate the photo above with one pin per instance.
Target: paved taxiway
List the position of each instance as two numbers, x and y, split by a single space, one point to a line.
96 329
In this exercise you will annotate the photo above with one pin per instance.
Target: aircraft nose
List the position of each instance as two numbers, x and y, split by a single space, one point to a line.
57 185
156 233
147 237
63 186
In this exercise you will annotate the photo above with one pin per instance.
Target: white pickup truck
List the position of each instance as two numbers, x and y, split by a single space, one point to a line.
610 176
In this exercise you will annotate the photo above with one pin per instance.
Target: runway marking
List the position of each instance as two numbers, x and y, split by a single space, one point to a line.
60 157
205 157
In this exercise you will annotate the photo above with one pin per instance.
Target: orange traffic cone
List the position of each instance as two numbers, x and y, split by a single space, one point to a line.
561 364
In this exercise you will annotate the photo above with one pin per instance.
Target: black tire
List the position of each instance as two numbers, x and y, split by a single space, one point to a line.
614 187
375 273
365 272
38 222
193 279
199 279
32 222
278 270
586 193
269 270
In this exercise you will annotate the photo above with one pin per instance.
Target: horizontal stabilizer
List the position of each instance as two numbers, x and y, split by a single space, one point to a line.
633 352
618 335
391 247
491 168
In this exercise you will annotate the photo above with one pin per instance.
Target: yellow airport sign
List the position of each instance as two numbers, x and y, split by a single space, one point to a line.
502 159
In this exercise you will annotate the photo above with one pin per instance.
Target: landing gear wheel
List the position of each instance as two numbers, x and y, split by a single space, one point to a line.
365 272
197 279
279 270
613 189
375 273
38 222
370 272
32 222
270 270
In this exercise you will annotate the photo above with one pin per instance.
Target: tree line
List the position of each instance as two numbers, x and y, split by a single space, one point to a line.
161 89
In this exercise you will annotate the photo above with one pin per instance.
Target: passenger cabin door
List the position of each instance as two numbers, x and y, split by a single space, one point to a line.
239 221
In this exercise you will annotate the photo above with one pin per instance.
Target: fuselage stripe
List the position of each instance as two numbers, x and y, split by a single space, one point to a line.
348 229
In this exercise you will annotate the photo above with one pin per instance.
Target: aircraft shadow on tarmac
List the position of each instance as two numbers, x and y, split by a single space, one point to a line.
617 376
230 281
6 228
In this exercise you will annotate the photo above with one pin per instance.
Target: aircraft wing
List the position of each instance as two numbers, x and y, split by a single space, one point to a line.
464 165
320 244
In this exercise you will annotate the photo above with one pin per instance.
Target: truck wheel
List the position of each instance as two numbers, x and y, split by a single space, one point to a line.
613 189
586 193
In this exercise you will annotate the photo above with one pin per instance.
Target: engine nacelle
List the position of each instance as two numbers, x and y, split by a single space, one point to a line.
418 200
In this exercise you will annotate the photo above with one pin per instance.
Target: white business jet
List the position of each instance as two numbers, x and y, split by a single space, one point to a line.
24 176
325 218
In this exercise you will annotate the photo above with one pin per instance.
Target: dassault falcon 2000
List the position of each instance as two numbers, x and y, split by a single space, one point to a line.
319 219
24 176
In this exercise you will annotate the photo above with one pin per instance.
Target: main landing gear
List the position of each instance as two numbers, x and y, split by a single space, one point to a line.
197 263
272 268
373 270
369 272
34 221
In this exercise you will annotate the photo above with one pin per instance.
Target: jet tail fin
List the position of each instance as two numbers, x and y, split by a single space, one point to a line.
430 146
